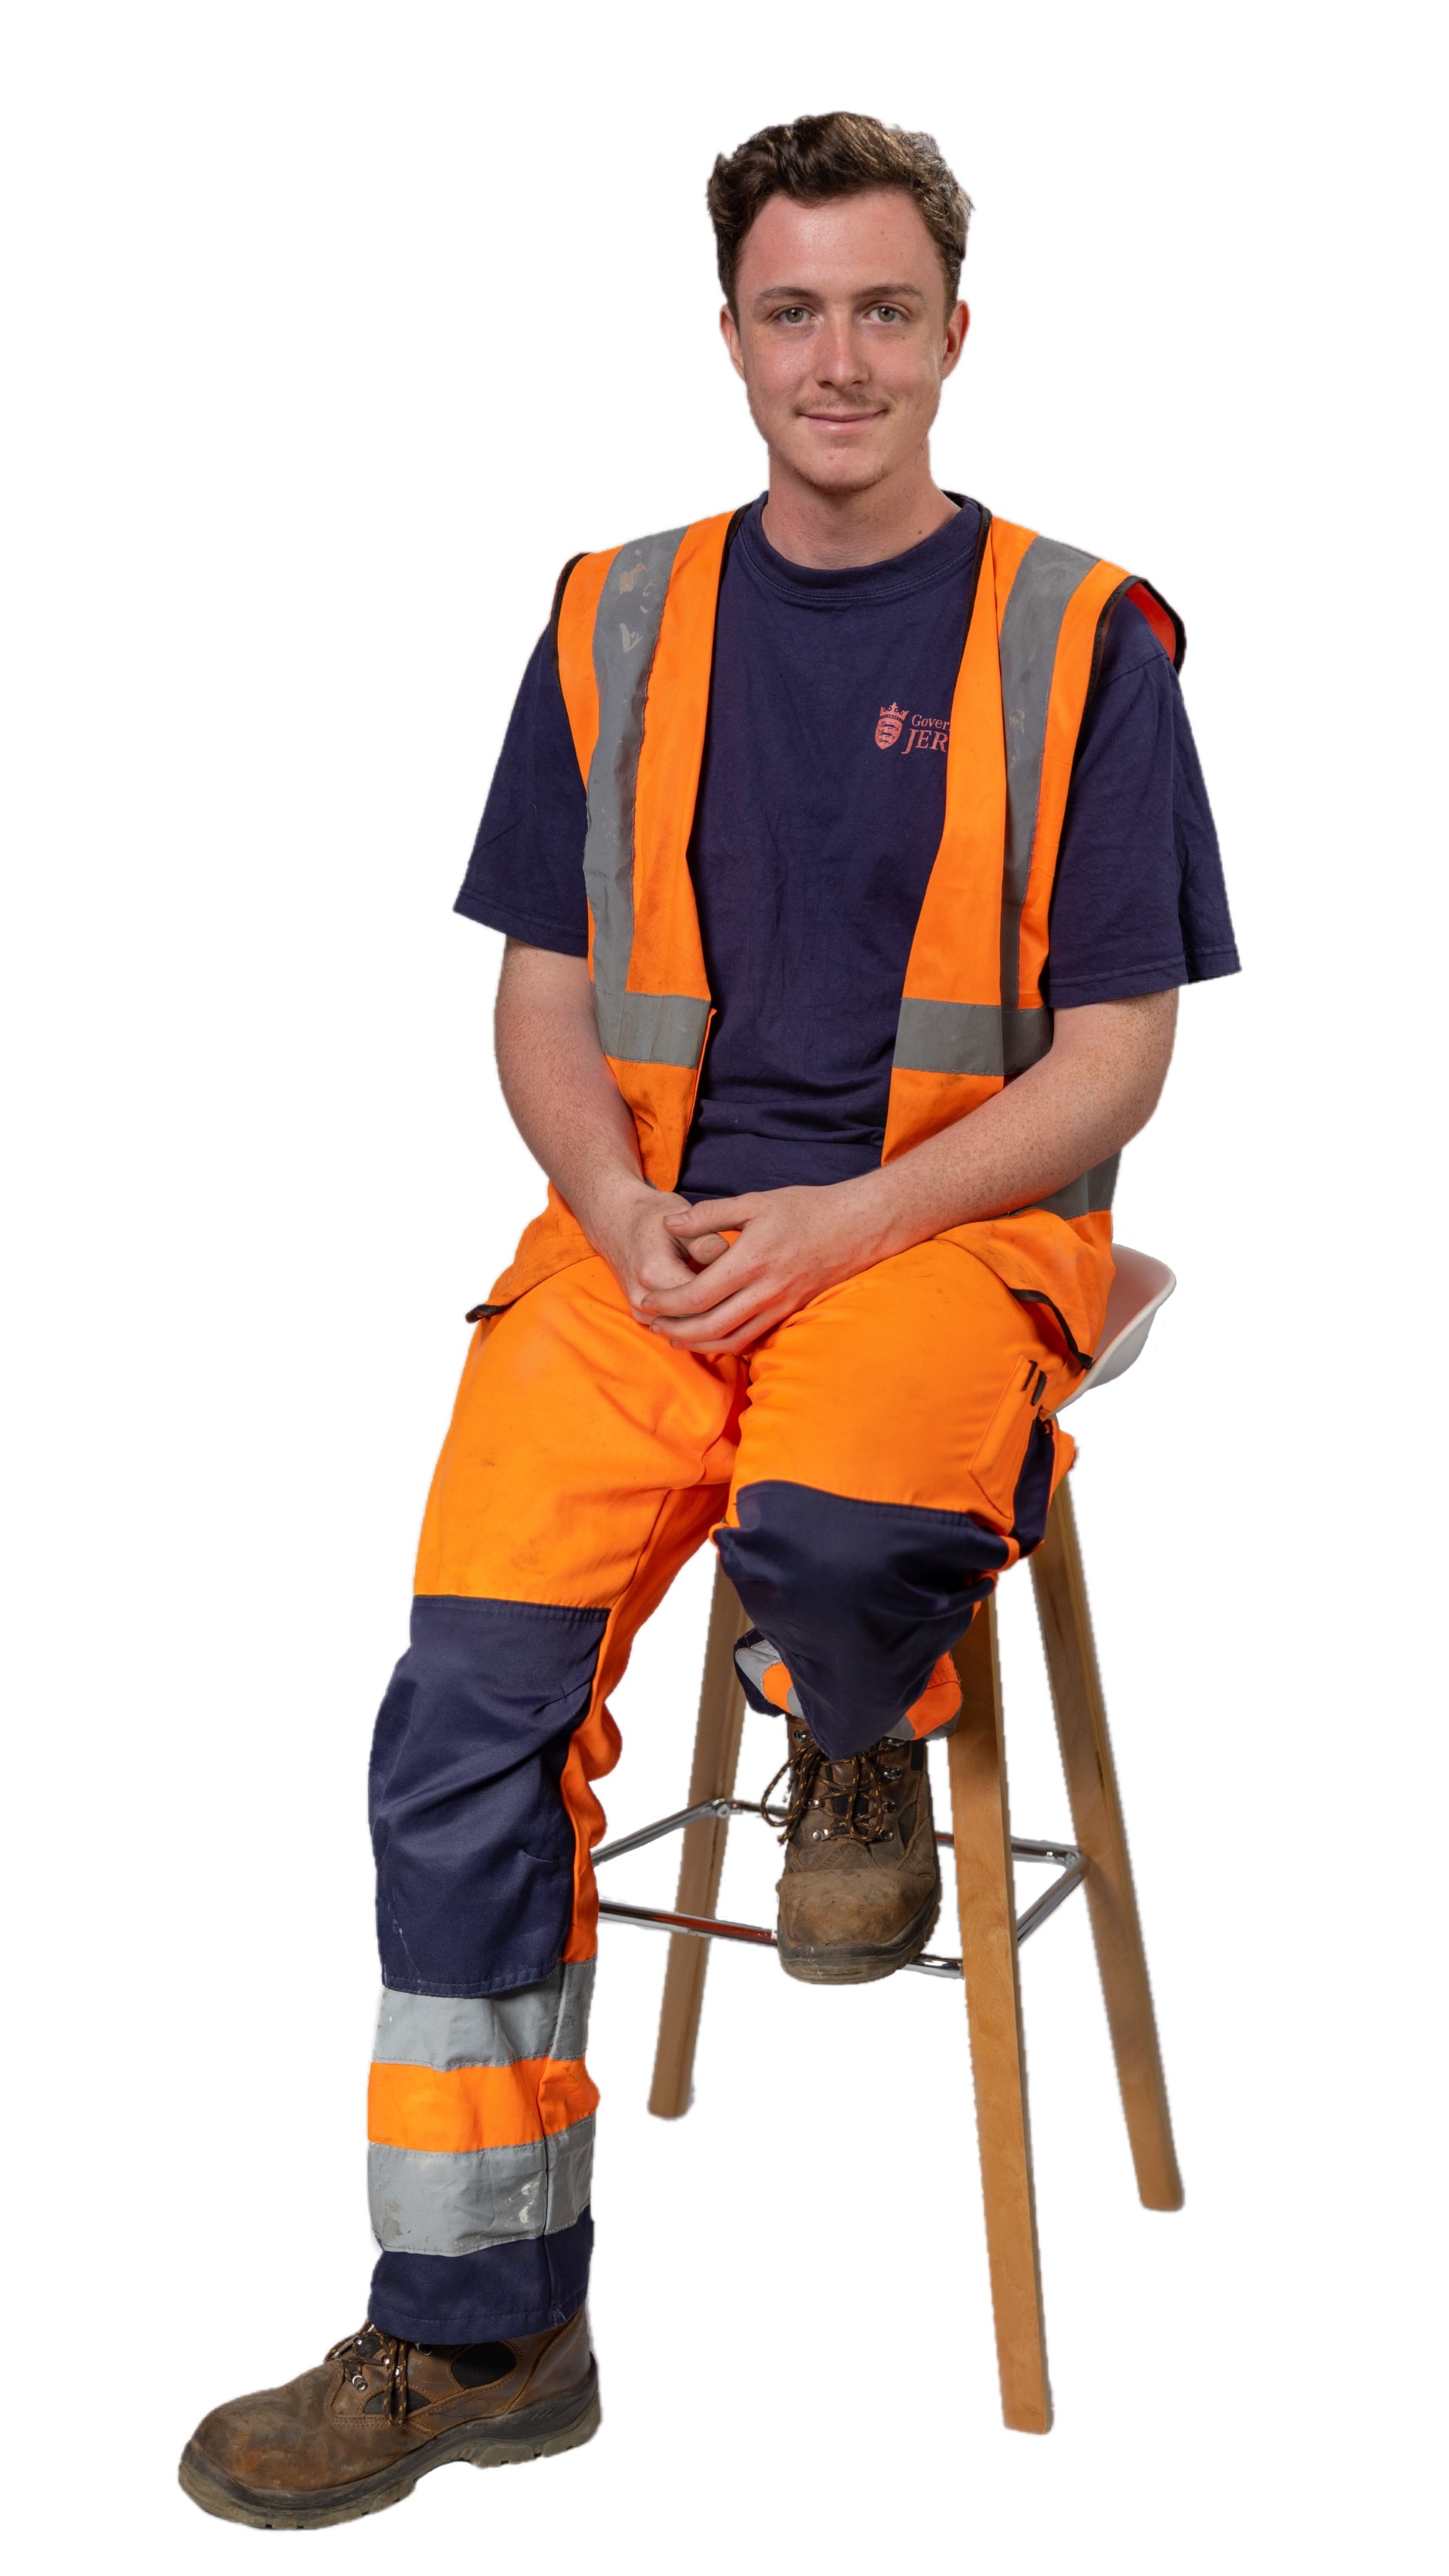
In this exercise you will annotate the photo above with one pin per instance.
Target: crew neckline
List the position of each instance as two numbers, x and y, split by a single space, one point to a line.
938 557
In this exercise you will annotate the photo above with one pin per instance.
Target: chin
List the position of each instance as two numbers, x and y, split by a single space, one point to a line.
842 473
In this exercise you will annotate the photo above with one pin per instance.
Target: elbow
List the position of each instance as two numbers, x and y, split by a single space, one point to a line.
1146 1080
1142 1102
1119 1053
1161 1033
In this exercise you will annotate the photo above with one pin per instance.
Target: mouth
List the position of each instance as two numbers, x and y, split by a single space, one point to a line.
841 423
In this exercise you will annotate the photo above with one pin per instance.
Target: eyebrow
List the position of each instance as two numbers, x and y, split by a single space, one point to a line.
811 294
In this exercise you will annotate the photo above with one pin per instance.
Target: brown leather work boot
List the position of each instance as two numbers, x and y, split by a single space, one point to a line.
862 1884
359 2431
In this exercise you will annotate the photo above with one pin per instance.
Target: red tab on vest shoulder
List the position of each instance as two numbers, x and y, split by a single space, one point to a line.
1165 623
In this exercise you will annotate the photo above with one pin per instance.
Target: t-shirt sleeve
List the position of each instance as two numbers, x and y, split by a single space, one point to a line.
1138 903
526 874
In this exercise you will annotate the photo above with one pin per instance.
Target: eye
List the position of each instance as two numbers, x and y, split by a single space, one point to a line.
888 312
792 313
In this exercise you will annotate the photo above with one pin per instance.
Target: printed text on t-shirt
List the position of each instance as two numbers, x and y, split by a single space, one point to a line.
923 733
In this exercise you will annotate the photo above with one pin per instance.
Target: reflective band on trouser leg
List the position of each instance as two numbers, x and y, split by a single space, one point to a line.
480 2122
584 1464
768 1688
479 2108
938 1704
763 1678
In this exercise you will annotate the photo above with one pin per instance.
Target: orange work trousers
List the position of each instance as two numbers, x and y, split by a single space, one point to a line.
867 1470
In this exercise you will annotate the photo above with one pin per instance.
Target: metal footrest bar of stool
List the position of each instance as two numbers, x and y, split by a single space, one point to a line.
1071 1863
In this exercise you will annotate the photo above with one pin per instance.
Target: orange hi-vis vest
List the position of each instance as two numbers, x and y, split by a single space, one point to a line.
634 636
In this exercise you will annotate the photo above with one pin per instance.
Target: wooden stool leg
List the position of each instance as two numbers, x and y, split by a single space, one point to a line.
987 1899
1066 1627
716 1753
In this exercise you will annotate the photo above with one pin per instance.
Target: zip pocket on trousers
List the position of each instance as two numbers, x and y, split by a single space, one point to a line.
1009 1426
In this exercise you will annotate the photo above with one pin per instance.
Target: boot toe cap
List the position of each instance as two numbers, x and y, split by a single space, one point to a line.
821 1917
268 2440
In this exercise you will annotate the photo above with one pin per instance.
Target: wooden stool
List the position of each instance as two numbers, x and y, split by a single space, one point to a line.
991 1932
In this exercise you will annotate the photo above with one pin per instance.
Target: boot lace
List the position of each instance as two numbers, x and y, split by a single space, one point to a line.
857 1791
373 2345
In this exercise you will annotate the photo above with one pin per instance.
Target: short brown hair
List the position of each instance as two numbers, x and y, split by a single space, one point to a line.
836 156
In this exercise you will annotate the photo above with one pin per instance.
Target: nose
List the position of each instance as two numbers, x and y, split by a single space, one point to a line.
839 358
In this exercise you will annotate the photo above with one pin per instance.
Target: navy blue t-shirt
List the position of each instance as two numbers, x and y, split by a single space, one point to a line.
820 811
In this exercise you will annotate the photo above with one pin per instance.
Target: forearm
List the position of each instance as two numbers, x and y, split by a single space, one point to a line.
563 1099
573 1118
1084 1101
1095 1089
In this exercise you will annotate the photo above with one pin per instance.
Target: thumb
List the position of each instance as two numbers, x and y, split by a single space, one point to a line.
705 1248
711 1216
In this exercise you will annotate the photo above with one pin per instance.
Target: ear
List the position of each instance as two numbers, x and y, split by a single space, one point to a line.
958 323
730 334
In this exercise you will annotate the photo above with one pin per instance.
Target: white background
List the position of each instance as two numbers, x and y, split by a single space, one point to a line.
332 331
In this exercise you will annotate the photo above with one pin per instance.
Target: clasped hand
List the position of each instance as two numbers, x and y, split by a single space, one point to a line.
717 1277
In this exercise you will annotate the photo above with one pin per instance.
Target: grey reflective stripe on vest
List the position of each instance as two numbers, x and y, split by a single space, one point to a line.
948 1037
423 2203
655 1028
639 1028
1028 1037
975 1037
1046 578
969 1037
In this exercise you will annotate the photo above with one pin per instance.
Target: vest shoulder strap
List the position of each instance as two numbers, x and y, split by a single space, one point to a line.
606 615
571 626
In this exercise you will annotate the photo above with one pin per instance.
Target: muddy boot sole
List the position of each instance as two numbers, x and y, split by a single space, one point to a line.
534 2433
862 1963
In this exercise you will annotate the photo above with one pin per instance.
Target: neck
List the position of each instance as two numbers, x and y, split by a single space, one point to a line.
829 531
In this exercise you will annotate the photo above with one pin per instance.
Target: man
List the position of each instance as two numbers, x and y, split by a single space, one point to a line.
850 849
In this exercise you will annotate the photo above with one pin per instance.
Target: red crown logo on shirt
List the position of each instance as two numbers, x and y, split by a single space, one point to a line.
888 730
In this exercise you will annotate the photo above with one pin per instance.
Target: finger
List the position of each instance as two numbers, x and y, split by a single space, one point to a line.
732 1317
727 1346
707 1288
665 1273
747 1339
712 1216
705 1248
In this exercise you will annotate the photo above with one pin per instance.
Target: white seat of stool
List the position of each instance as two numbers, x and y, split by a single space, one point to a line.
1140 1287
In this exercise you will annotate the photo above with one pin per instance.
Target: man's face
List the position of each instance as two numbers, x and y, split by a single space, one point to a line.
843 337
